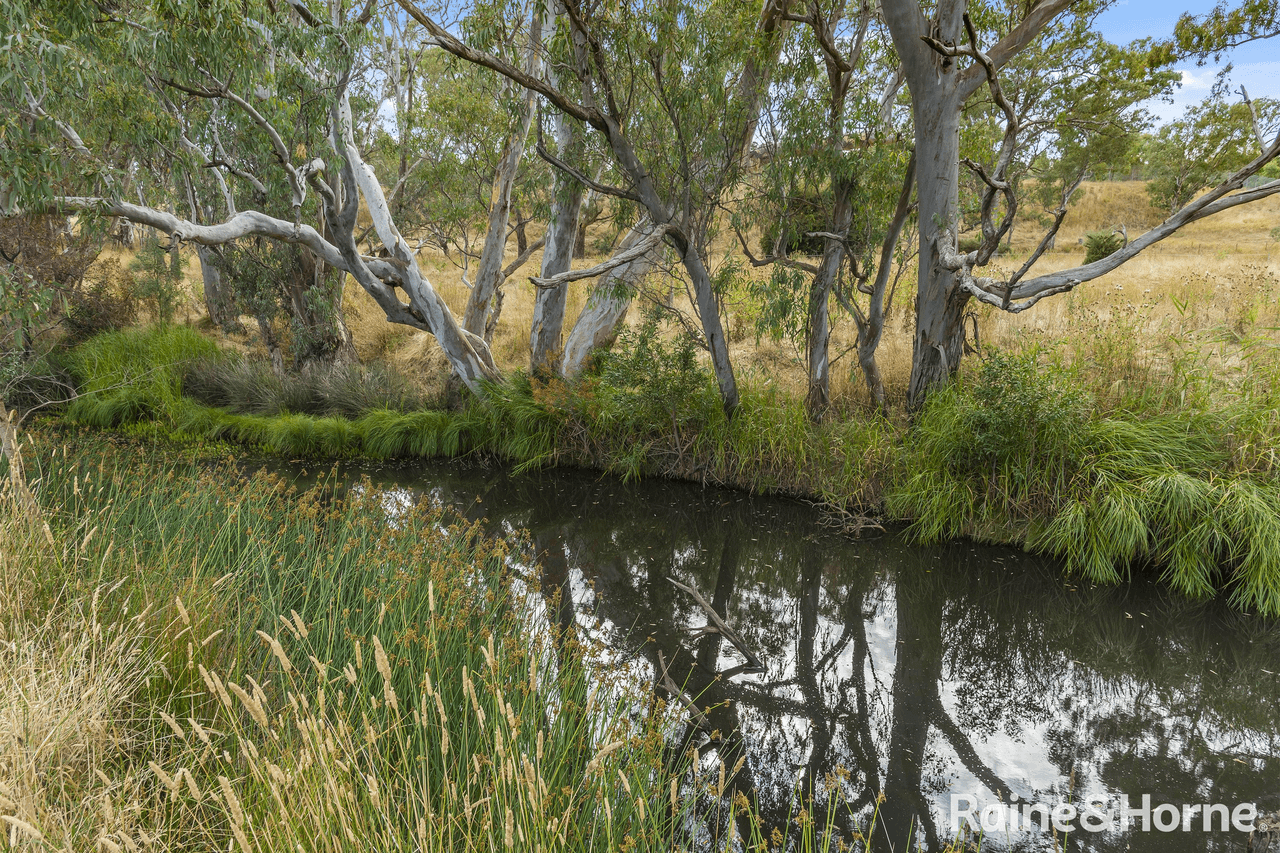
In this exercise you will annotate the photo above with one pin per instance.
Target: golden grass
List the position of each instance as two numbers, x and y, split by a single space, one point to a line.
72 712
129 732
1219 273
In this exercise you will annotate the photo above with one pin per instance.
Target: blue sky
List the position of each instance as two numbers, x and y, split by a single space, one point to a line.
1256 66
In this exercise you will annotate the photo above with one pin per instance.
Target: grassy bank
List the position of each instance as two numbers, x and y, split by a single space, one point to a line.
1171 471
195 660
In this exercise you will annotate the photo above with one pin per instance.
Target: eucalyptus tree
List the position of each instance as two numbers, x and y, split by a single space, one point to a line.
672 89
458 158
233 55
834 178
1223 28
1212 138
1075 97
946 63
545 334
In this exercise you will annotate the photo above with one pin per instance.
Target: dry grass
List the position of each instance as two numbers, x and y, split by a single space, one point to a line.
1223 272
72 707
1218 274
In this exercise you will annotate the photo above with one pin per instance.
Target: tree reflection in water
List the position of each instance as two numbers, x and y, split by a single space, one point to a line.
894 670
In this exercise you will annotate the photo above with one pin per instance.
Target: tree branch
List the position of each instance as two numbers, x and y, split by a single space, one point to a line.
1011 45
451 44
579 176
623 257
523 257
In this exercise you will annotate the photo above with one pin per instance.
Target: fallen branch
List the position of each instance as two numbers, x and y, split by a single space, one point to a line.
699 717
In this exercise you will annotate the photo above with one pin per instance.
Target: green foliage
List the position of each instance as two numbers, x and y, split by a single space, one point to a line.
788 235
1100 244
1221 29
283 287
645 383
1017 452
133 375
443 673
1212 140
1021 412
157 279
107 302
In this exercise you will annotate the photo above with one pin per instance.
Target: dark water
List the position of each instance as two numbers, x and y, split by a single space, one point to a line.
893 669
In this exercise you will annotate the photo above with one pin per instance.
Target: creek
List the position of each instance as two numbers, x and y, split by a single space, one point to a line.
915 673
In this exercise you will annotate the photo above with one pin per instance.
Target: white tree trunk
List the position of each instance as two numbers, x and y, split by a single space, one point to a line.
545 334
489 275
606 308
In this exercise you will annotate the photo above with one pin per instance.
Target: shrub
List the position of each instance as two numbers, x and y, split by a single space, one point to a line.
1019 453
157 273
645 384
107 302
1100 244
28 383
805 214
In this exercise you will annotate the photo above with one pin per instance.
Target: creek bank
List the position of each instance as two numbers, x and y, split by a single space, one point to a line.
1015 452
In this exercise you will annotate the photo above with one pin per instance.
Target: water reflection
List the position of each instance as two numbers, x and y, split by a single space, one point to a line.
894 672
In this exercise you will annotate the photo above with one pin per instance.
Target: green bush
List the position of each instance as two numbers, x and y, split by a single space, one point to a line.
107 302
157 274
646 385
133 375
1018 453
1100 244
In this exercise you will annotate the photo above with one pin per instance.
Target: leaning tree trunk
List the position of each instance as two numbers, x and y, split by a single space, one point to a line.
940 303
708 305
818 398
545 335
606 308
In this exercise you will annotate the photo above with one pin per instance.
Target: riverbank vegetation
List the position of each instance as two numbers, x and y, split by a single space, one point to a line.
797 288
1097 449
189 663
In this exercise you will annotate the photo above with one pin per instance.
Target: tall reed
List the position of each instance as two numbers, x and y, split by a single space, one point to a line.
319 671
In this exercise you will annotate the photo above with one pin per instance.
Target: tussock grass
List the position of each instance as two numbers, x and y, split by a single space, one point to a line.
132 375
247 386
1020 453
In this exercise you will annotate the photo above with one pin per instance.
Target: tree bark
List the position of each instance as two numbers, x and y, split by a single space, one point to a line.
315 306
546 332
940 303
708 305
871 326
818 399
216 299
937 96
489 272
606 308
